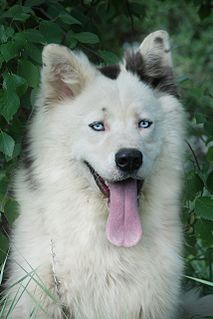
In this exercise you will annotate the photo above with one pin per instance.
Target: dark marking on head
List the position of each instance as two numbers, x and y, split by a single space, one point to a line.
103 109
110 71
158 40
152 72
134 63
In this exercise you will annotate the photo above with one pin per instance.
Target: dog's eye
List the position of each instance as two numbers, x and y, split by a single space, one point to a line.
144 124
97 126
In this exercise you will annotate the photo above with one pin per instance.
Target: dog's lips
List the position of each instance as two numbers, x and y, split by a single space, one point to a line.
104 185
123 226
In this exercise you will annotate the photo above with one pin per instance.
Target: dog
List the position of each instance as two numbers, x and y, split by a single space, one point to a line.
99 233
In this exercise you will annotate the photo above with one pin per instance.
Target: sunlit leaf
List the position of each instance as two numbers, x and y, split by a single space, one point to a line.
7 144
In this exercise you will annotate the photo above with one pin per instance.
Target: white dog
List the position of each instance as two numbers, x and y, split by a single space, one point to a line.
99 233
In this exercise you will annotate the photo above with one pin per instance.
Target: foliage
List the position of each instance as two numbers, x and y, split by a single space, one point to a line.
102 29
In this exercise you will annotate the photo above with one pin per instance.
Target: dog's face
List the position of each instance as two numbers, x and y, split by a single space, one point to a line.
111 121
118 127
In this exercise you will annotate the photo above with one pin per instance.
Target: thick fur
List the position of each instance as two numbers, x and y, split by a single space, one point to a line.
60 249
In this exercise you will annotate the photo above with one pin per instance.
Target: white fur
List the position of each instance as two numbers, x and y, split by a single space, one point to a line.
61 228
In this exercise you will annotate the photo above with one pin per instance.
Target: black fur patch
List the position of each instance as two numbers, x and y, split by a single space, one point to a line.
111 71
27 162
27 159
159 40
152 72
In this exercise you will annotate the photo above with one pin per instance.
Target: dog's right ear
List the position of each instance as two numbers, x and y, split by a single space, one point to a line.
64 73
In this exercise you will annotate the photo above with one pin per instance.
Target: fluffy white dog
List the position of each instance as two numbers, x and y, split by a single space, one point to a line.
99 233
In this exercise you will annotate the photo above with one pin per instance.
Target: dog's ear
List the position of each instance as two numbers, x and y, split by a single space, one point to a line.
64 73
156 54
153 62
155 49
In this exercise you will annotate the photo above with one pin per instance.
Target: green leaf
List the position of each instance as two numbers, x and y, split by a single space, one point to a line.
4 247
11 81
14 82
29 72
9 50
209 128
68 19
204 207
70 41
210 154
209 182
51 31
200 118
205 229
34 36
14 47
86 37
108 57
5 33
18 13
194 185
9 104
9 99
21 84
34 53
11 210
7 144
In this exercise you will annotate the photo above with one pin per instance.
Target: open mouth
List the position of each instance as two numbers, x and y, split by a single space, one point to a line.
123 227
104 185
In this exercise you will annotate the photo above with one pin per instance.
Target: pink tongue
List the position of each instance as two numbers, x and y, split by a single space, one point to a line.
123 225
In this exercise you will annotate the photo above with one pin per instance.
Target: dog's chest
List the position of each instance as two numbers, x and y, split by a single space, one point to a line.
108 283
101 288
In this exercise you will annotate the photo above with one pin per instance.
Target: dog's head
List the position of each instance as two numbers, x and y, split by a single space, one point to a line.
112 121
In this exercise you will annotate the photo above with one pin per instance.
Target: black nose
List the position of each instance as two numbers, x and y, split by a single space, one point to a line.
128 159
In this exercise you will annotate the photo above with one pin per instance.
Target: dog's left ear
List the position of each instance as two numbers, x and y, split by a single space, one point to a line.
153 62
64 73
155 48
156 53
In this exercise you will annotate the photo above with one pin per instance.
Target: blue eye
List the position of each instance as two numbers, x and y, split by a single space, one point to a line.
97 126
144 124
